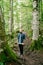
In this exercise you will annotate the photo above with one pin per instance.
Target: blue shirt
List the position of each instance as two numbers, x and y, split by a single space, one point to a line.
21 37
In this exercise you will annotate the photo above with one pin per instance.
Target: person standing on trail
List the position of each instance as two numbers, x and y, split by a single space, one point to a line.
21 38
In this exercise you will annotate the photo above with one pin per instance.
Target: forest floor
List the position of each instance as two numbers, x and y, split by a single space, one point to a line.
30 57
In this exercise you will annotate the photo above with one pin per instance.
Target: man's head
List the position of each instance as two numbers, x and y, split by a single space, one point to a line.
20 30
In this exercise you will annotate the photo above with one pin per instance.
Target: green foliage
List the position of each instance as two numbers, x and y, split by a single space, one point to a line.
10 52
3 57
1 63
37 44
8 55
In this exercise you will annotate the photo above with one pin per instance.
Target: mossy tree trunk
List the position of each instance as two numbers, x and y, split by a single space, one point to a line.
2 27
35 24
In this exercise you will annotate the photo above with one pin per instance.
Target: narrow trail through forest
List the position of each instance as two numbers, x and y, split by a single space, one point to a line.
30 58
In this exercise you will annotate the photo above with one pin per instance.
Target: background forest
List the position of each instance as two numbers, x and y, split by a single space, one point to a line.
17 14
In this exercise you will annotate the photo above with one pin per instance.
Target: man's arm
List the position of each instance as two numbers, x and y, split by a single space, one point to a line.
23 36
18 36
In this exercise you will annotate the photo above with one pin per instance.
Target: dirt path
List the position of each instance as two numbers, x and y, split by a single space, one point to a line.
30 58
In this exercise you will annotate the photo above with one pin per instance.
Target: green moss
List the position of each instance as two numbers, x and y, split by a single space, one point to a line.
1 63
3 57
10 52
37 44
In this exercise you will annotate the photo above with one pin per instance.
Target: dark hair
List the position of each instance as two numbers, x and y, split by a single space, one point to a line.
17 31
21 32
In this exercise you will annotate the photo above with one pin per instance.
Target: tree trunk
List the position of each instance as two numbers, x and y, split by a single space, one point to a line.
11 17
35 22
35 26
2 27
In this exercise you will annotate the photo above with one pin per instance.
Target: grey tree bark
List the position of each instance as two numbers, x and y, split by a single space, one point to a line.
35 22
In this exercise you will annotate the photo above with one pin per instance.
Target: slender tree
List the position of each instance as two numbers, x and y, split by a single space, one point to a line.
11 17
2 28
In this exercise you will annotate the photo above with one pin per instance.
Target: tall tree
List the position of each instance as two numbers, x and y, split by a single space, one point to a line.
35 22
11 17
2 28
35 26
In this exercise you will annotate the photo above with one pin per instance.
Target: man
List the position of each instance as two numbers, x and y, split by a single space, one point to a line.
21 38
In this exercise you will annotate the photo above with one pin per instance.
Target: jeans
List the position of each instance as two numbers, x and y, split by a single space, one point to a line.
21 49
